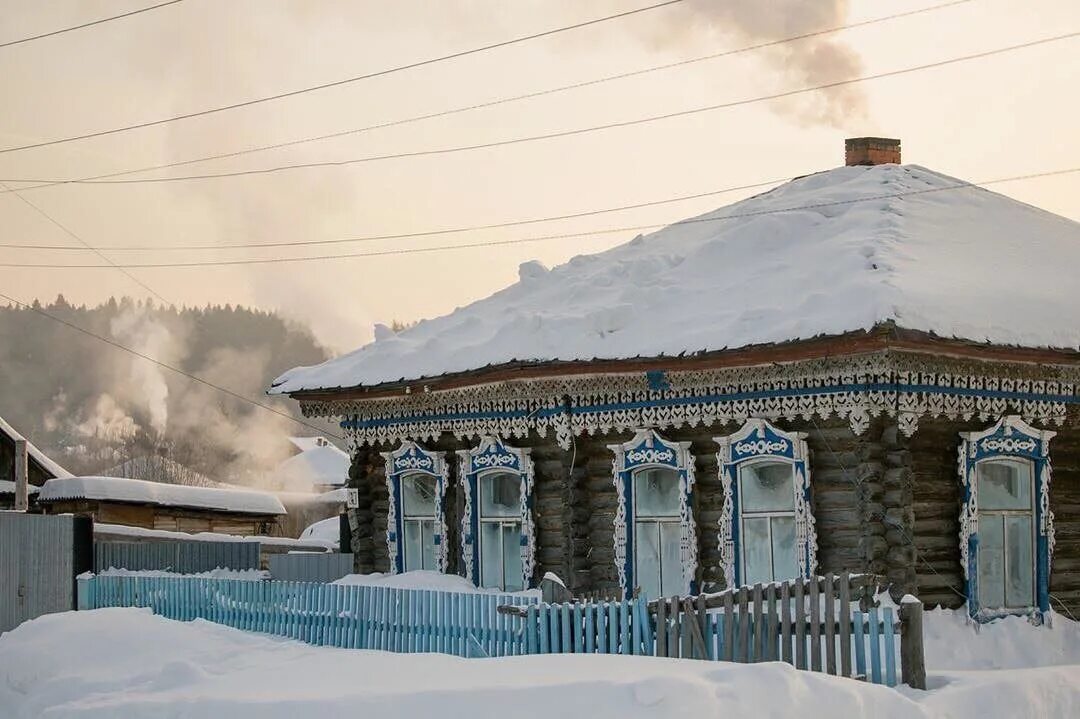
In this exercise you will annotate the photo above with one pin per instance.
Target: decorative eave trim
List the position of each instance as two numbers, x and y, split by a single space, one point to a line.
856 388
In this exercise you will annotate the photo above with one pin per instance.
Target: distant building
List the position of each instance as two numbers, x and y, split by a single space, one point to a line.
154 505
873 368
41 467
318 466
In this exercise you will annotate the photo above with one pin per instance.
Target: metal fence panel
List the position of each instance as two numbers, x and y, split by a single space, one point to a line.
37 567
304 567
183 557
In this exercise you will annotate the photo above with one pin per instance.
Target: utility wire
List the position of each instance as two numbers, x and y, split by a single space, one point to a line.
516 241
163 365
404 235
88 246
346 81
9 43
500 101
564 133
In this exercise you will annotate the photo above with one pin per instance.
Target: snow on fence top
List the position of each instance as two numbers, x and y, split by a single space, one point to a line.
825 254
118 489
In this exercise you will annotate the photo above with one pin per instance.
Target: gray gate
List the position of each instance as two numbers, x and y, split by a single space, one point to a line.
40 556
182 557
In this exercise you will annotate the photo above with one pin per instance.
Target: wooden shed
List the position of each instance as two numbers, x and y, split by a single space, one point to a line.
40 468
154 505
873 369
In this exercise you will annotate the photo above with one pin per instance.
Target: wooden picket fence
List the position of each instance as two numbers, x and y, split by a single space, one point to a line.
347 616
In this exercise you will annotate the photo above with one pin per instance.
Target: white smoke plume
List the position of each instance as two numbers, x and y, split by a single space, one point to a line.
145 383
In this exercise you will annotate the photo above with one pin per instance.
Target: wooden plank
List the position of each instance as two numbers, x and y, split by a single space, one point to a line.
661 629
590 629
743 653
830 626
675 640
875 647
771 653
815 624
758 626
637 635
613 628
693 630
705 625
858 619
565 625
624 626
845 624
545 636
531 630
800 625
890 647
579 632
728 652
785 622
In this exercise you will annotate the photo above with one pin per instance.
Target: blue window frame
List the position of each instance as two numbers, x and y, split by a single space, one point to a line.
498 544
416 481
655 536
767 528
1006 525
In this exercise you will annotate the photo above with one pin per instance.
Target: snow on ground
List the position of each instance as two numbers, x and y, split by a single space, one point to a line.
129 663
424 579
951 641
120 489
824 254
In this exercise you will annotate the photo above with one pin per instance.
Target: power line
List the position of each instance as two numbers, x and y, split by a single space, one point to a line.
346 81
517 241
568 133
163 365
500 101
88 246
405 235
9 43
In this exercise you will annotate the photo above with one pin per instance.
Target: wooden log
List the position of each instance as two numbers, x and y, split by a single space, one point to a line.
912 659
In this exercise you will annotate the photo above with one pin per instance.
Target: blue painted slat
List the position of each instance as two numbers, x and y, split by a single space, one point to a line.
875 647
613 628
590 636
532 623
857 619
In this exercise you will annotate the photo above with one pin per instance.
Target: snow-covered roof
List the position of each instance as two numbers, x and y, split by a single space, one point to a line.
38 456
305 443
8 487
825 254
321 465
118 489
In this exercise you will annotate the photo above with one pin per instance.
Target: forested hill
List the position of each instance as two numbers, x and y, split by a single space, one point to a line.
92 406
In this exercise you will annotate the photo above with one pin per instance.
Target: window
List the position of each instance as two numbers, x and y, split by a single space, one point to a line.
500 531
418 510
657 532
1006 523
767 530
416 527
498 546
655 537
767 521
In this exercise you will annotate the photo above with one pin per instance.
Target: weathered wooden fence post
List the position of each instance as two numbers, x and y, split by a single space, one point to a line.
912 661
22 476
553 591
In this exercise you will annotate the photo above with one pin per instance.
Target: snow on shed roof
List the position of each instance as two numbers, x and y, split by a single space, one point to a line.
36 454
320 465
118 489
828 253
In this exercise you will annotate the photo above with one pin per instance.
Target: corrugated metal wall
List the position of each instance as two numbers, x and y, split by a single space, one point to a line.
179 556
37 565
301 567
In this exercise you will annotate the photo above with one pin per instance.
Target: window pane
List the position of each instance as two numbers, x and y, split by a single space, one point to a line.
785 560
512 567
1004 484
418 495
491 560
428 560
647 559
671 581
766 487
413 546
991 562
656 493
757 565
1019 585
500 495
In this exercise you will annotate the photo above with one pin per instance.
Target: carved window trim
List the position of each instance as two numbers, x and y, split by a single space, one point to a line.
756 440
647 450
1009 438
492 454
411 458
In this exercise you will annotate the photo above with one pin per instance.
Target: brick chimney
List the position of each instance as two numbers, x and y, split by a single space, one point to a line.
871 151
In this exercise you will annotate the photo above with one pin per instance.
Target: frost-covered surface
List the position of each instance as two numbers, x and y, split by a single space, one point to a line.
111 663
247 575
425 579
953 642
47 464
118 489
319 465
964 262
325 530
114 531
8 487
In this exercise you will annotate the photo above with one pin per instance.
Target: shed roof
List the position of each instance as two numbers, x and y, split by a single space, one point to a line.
36 455
834 252
117 489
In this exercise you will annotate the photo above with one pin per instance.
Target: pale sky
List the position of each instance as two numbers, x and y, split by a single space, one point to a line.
1005 115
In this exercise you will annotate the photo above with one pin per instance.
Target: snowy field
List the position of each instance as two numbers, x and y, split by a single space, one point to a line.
129 663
